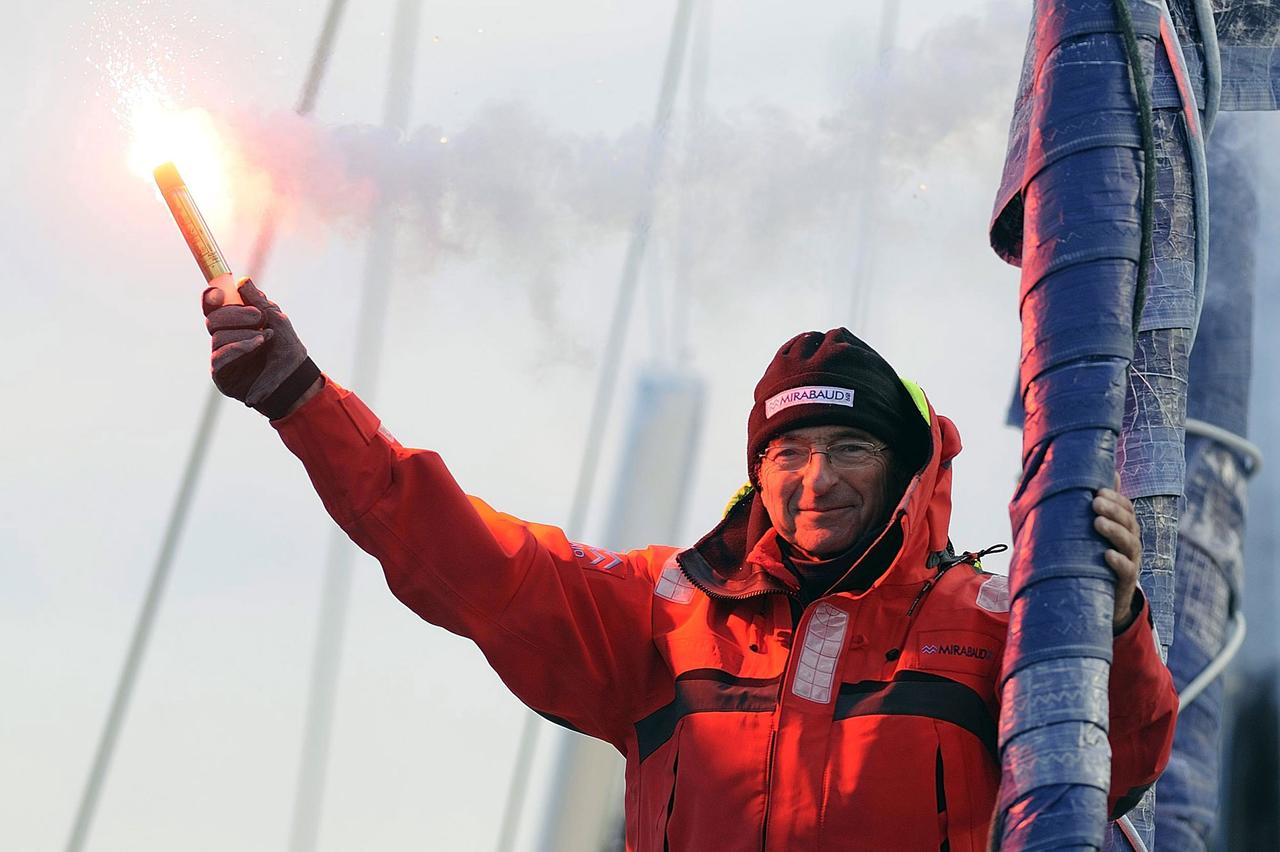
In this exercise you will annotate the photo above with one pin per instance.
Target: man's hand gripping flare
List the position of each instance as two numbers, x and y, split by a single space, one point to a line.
257 356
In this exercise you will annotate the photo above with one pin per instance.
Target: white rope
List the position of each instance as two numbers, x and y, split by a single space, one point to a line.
1230 440
1131 834
1192 691
1212 62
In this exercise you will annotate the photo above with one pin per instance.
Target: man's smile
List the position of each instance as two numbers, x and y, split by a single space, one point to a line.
824 510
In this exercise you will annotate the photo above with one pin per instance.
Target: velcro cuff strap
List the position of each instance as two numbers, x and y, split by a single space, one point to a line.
277 405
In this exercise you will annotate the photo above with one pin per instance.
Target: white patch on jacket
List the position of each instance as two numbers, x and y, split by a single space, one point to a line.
673 585
993 595
820 653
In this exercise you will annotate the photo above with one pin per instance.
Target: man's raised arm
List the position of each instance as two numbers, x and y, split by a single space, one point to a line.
569 634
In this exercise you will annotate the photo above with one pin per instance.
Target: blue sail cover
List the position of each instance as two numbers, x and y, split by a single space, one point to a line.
1211 539
1247 33
1055 120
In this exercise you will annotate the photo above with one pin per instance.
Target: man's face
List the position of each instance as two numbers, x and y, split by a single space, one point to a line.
820 509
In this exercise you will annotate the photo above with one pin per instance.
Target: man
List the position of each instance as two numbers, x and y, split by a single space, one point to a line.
818 671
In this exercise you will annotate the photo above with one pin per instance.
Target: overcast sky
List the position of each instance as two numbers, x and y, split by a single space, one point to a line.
500 301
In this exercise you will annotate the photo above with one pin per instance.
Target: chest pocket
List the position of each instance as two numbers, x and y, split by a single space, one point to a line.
732 641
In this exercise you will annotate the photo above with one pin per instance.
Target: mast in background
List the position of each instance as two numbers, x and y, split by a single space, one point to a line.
334 599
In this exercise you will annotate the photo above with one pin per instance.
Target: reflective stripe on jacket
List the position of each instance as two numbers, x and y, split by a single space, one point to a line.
868 724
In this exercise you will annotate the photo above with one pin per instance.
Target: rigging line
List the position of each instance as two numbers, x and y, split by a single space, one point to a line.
326 660
1212 62
607 377
1241 446
320 58
1131 834
869 174
682 291
1189 694
178 514
608 373
142 629
652 284
1142 91
1210 672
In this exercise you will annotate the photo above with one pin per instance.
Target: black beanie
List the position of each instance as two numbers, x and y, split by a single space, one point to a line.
835 379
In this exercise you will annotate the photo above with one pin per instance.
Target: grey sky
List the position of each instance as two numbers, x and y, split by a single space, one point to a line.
490 355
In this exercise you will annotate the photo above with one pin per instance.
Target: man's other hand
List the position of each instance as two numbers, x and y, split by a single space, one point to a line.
257 356
1118 524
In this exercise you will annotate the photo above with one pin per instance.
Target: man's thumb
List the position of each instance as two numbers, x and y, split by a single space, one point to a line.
251 295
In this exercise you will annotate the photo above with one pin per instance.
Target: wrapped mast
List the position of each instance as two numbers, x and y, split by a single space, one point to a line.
1070 212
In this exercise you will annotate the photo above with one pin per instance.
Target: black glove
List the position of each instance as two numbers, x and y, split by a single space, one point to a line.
257 356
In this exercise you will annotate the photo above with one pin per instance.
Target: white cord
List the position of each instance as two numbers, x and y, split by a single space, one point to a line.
1192 690
1212 62
1228 439
1131 834
1190 693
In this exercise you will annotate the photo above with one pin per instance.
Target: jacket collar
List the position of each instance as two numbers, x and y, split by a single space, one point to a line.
740 557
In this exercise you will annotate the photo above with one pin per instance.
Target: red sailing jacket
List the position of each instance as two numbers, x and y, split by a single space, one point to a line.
867 724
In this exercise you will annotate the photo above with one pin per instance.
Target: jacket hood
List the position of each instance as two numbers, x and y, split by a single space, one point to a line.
741 557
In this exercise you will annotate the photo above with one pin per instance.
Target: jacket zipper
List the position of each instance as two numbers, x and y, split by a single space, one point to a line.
924 590
727 597
671 806
916 603
941 793
796 628
773 730
768 782
910 616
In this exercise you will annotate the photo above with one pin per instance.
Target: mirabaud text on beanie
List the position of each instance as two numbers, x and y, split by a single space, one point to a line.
819 379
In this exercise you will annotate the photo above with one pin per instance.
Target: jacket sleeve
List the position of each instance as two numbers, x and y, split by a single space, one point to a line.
566 627
1144 708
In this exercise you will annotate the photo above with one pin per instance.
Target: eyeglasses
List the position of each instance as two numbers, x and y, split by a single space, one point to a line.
843 455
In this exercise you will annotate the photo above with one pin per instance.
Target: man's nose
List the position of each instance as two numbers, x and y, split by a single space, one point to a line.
819 475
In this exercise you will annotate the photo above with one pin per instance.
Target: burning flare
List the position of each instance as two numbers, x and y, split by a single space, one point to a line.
192 225
204 248
163 140
187 138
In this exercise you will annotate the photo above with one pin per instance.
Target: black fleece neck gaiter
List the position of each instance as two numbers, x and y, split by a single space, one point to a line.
818 576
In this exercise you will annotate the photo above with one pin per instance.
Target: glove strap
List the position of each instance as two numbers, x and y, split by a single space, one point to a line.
277 405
